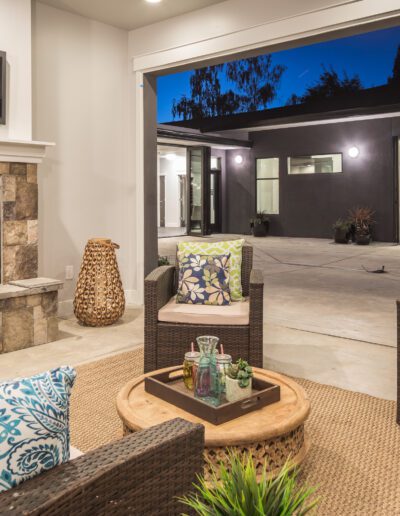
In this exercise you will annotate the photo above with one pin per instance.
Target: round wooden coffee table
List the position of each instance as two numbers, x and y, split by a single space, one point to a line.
270 434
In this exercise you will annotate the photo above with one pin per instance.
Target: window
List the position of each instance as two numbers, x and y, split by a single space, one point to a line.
317 164
215 163
267 179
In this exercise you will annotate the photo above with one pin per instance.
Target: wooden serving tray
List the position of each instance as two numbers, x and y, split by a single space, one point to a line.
169 387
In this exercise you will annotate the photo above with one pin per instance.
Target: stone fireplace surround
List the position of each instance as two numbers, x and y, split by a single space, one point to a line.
28 304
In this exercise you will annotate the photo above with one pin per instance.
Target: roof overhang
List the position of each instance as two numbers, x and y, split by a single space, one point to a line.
185 137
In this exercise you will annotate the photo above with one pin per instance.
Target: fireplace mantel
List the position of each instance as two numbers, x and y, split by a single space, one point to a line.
23 151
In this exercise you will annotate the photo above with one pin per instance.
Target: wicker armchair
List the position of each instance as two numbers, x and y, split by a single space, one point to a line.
139 474
165 343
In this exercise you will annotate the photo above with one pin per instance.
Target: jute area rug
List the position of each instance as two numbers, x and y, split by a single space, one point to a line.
355 443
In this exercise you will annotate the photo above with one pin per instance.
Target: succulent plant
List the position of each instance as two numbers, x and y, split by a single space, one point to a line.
241 371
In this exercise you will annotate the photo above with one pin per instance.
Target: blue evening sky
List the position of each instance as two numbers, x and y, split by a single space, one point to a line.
369 55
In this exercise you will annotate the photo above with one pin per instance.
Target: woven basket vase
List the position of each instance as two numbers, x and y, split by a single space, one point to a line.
99 297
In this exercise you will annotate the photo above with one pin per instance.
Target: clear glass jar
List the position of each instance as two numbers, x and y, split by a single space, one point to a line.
188 373
223 364
207 377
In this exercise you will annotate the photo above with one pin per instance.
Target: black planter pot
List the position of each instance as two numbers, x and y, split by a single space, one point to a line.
363 239
261 230
341 236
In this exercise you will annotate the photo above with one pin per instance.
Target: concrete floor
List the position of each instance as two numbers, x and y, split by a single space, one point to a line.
326 318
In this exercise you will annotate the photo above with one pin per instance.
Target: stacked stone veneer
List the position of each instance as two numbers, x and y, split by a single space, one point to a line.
19 193
28 305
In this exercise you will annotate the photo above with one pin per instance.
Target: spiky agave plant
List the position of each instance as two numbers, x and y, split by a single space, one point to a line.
239 493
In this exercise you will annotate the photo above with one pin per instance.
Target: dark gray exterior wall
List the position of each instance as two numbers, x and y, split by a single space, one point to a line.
310 204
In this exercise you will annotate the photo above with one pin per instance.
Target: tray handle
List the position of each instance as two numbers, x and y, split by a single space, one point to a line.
250 402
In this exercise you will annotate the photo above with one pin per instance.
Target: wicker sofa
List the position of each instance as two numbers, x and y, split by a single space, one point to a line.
166 342
139 474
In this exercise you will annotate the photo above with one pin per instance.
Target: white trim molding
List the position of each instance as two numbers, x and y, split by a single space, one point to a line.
23 151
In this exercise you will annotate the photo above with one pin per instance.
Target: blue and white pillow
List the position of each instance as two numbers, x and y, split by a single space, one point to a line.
34 425
204 280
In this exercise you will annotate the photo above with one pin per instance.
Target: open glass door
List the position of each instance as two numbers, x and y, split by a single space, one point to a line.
198 184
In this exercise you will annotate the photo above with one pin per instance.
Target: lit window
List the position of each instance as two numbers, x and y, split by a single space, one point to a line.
267 170
317 164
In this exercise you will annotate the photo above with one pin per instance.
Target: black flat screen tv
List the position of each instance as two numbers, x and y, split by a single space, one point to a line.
3 68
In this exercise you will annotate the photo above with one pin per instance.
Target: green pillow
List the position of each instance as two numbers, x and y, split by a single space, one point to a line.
234 247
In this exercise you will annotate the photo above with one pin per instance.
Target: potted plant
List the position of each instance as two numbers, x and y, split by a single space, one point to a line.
163 260
342 231
239 491
238 381
362 219
260 224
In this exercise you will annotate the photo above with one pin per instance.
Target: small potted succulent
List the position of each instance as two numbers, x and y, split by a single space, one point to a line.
238 381
342 231
362 221
260 224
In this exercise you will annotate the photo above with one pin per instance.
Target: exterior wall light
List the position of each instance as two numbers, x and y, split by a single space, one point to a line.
354 152
239 159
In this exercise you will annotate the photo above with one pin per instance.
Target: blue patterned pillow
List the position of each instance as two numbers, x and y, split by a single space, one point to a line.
204 280
34 425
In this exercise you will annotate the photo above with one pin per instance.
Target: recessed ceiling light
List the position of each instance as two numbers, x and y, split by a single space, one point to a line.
153 1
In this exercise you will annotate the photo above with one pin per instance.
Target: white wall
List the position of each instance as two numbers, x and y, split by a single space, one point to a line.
80 102
15 39
171 170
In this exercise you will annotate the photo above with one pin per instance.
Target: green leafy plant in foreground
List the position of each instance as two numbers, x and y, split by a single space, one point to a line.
238 493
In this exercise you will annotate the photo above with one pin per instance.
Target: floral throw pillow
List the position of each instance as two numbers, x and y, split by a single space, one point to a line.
204 280
234 247
34 425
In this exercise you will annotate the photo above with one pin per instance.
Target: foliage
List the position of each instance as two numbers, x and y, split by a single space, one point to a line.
163 260
239 493
341 224
241 371
260 218
362 218
394 79
206 98
329 85
255 82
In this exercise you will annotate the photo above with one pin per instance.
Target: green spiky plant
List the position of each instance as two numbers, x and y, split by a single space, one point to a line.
239 493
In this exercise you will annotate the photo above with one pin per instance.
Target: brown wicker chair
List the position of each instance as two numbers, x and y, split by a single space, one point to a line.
165 343
139 474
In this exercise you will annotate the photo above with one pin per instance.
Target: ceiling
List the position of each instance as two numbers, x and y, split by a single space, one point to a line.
129 14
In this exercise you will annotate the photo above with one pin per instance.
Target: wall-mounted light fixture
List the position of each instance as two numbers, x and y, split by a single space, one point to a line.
153 1
239 159
354 152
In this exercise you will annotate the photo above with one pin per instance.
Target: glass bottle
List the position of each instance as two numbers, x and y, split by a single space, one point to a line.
224 362
207 377
188 363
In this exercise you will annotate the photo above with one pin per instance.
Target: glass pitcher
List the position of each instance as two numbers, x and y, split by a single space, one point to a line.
207 378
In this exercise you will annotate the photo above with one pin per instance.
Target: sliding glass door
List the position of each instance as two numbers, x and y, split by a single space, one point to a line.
198 184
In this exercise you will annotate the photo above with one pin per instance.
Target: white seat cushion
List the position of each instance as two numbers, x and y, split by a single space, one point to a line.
74 453
237 313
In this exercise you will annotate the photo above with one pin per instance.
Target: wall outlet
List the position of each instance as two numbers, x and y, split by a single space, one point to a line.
69 272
